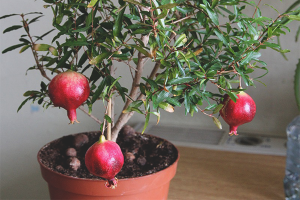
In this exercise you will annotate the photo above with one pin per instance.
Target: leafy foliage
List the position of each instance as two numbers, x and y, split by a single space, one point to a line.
191 44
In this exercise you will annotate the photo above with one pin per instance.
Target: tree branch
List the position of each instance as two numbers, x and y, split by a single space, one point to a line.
124 117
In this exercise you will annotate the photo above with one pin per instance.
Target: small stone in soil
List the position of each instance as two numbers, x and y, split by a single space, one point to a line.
127 131
74 163
59 168
71 152
129 156
141 160
80 140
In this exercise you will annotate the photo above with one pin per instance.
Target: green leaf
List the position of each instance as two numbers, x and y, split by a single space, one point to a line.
142 50
217 122
24 48
5 16
12 47
146 122
118 23
181 70
212 15
113 84
167 6
181 40
135 2
12 28
294 17
92 3
107 118
98 91
218 108
250 56
167 107
180 80
221 37
72 43
64 59
22 104
100 58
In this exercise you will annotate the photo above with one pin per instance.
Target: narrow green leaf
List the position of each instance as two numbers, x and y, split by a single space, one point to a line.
180 80
113 84
157 114
217 122
98 91
146 122
118 23
64 59
213 16
135 2
181 40
173 101
12 48
221 37
24 48
5 16
142 50
92 3
167 6
250 56
166 106
12 28
75 43
218 108
35 19
294 17
107 118
22 104
100 58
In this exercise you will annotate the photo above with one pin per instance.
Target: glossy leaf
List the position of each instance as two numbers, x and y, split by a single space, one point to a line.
12 28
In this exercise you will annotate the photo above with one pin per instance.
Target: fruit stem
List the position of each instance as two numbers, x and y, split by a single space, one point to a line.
102 138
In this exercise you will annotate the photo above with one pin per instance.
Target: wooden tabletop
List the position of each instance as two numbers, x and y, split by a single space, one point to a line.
219 175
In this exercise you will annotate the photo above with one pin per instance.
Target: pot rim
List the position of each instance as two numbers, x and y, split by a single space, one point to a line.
100 180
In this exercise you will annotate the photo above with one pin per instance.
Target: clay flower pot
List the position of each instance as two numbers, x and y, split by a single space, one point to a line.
149 187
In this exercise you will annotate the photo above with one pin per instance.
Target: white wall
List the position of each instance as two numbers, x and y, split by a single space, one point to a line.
23 133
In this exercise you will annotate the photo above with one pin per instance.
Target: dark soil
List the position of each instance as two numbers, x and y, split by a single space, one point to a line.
143 154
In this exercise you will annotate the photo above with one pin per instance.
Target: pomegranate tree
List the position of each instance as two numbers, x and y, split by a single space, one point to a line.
237 113
188 45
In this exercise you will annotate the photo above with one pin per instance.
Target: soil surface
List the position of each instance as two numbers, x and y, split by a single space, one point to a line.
143 154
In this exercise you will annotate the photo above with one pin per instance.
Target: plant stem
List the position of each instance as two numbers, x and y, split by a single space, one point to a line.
124 117
109 123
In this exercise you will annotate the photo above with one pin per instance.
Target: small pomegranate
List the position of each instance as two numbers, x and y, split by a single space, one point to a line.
237 113
105 159
69 90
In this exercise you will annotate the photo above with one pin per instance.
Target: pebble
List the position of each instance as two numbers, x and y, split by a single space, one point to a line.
141 160
127 131
59 168
71 152
129 156
74 163
80 140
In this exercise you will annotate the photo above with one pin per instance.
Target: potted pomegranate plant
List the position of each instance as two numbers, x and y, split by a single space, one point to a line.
187 45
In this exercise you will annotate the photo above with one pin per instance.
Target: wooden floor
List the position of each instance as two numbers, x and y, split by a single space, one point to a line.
218 175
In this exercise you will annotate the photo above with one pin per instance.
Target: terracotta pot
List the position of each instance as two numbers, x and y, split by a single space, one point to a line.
150 187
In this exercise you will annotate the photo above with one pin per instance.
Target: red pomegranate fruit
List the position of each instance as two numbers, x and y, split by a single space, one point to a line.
237 113
69 90
105 159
